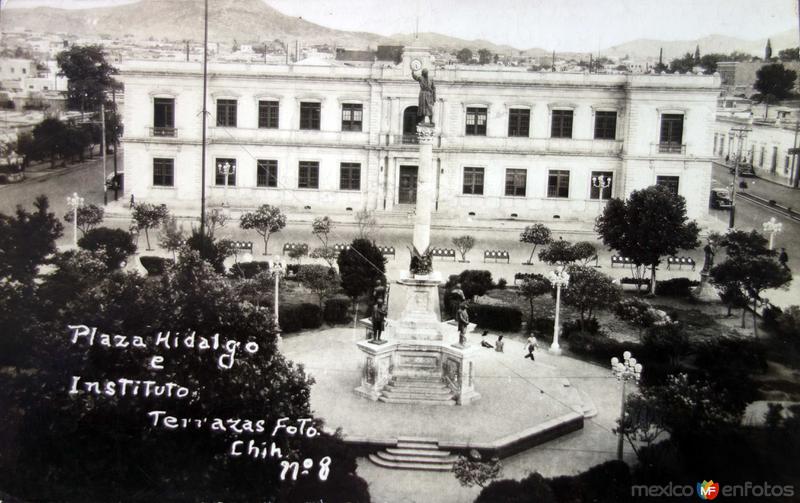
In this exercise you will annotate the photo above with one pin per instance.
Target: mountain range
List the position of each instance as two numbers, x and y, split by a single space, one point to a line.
253 21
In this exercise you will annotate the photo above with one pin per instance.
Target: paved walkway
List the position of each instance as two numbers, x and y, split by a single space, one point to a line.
515 393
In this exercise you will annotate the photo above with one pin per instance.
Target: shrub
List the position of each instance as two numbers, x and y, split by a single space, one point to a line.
292 270
212 251
155 266
296 317
115 243
666 340
601 348
337 311
542 325
676 287
788 324
473 282
248 270
591 326
502 283
494 317
770 316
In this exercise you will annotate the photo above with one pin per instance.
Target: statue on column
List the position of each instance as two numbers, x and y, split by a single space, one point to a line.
427 95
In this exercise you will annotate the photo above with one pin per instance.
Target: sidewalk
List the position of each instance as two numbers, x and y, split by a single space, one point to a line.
758 186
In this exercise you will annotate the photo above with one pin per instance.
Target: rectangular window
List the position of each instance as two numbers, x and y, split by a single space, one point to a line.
352 114
785 164
671 139
473 181
267 173
763 155
310 115
225 172
163 117
715 143
774 164
605 125
350 176
602 183
476 121
558 183
163 172
670 182
268 114
519 122
226 113
561 125
516 181
308 175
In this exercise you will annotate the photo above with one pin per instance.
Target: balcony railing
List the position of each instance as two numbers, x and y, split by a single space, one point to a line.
670 148
164 131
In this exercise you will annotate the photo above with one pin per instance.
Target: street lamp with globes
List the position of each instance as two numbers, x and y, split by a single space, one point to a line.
277 269
226 169
559 278
626 370
601 182
772 227
75 202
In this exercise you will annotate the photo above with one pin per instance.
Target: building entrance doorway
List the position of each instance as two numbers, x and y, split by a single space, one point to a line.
407 189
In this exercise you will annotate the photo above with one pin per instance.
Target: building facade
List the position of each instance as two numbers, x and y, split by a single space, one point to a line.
510 143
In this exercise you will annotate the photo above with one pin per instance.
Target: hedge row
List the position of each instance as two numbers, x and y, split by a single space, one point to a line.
494 317
296 317
676 287
248 269
155 266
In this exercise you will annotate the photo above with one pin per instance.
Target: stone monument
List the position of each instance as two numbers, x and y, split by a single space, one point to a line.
421 360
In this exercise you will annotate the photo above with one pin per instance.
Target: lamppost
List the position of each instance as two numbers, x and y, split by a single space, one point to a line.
740 134
773 227
601 182
74 202
277 268
559 278
226 169
626 370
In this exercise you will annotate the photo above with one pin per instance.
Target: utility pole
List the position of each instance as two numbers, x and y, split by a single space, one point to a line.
116 140
203 147
103 145
740 134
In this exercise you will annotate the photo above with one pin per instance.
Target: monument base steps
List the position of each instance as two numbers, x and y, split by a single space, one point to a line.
423 389
415 454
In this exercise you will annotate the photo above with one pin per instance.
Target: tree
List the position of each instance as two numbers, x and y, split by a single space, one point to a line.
775 80
172 237
216 218
321 280
266 220
668 340
683 64
558 252
588 290
89 74
26 148
652 223
531 288
360 267
114 244
89 217
536 234
484 56
473 471
464 244
209 249
297 253
464 56
709 62
321 228
637 312
584 251
50 139
791 54
367 223
149 216
26 240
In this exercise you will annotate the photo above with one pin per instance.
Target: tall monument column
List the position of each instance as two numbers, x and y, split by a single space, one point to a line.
425 187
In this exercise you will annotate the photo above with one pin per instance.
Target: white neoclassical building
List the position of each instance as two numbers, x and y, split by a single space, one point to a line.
337 138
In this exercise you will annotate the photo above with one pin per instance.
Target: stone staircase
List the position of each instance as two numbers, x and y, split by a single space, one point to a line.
424 390
415 454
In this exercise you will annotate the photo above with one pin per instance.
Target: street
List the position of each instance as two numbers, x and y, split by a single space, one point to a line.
86 180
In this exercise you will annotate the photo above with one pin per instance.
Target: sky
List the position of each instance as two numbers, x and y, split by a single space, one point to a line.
569 25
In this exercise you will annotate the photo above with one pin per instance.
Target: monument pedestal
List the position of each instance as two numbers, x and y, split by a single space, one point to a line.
705 290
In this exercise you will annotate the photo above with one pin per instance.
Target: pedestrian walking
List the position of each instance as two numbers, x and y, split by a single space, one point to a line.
532 345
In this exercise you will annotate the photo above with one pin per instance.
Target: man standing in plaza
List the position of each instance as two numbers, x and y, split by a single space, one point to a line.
532 345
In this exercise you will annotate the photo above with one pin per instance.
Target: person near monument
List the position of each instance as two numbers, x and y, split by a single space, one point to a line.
463 321
532 345
378 320
498 346
427 95
484 343
708 262
783 258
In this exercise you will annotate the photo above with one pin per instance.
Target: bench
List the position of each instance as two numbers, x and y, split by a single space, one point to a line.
680 262
295 246
339 248
386 251
444 253
242 245
619 260
496 255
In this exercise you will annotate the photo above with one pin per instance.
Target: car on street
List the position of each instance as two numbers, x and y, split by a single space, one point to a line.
115 180
745 169
720 199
